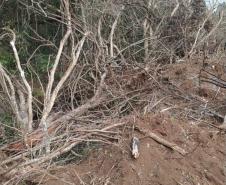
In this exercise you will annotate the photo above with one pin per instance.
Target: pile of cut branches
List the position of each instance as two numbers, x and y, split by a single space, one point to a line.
100 63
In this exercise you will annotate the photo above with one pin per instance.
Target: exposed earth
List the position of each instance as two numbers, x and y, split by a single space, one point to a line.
174 119
204 163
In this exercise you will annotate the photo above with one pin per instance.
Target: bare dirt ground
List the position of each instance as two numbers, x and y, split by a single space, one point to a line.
177 119
204 163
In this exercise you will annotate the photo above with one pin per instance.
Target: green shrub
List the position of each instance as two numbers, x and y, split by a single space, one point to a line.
7 60
8 124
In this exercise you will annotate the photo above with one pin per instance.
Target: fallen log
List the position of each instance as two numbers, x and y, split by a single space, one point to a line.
162 141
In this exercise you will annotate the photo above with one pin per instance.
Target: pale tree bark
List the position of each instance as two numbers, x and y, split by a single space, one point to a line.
112 33
29 112
51 94
28 87
21 99
9 90
148 32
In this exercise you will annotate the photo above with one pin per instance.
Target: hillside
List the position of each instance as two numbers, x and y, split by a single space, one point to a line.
112 92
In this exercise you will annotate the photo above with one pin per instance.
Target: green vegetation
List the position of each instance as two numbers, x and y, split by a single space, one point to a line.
9 127
7 60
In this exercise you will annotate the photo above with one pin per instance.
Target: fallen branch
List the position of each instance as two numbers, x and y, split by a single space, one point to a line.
96 100
17 169
212 178
38 135
162 141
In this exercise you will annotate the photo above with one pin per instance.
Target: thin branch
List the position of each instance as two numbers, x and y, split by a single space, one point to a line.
93 102
112 34
175 9
63 79
26 84
59 53
11 94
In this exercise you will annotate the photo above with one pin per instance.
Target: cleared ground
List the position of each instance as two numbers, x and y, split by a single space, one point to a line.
178 118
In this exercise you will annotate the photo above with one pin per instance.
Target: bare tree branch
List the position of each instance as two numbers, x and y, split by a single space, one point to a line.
25 82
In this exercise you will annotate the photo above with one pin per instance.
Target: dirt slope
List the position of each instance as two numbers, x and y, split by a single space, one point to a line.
204 163
177 118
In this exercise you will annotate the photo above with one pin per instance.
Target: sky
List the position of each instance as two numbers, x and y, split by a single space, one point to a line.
209 2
